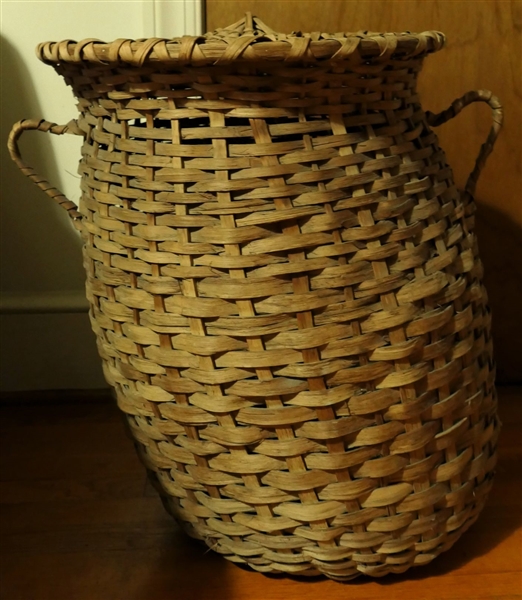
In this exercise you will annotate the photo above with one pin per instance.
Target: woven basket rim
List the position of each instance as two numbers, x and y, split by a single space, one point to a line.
246 40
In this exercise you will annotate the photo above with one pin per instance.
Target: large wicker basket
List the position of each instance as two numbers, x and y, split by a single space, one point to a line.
285 289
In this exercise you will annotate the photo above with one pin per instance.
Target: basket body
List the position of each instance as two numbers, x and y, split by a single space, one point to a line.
288 301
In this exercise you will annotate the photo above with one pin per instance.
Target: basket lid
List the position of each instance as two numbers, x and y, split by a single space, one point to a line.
247 40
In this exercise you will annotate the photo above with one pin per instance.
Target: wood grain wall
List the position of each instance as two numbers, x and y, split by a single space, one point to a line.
483 50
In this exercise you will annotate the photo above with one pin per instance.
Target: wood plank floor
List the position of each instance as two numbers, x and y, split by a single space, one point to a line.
79 522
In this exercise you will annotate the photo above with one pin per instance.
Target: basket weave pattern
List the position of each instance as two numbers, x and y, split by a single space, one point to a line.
288 300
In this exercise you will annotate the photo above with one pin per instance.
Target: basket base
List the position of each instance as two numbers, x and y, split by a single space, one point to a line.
357 563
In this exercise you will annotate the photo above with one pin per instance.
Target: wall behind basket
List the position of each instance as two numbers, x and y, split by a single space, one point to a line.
46 341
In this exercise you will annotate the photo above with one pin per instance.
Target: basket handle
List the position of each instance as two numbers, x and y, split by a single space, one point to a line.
43 184
485 150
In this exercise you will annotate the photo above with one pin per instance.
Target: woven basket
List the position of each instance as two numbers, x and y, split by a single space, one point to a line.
286 292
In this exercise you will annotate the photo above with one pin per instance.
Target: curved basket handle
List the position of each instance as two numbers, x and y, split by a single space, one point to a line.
457 105
43 184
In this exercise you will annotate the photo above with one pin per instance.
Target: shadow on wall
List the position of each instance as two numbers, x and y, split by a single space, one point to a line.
41 251
40 256
503 280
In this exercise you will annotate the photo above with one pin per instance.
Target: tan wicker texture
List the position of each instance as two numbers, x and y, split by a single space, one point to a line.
247 40
287 296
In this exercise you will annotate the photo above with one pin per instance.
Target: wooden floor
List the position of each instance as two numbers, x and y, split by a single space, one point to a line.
79 522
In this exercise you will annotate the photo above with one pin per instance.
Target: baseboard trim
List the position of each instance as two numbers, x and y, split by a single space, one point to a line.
56 397
20 303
